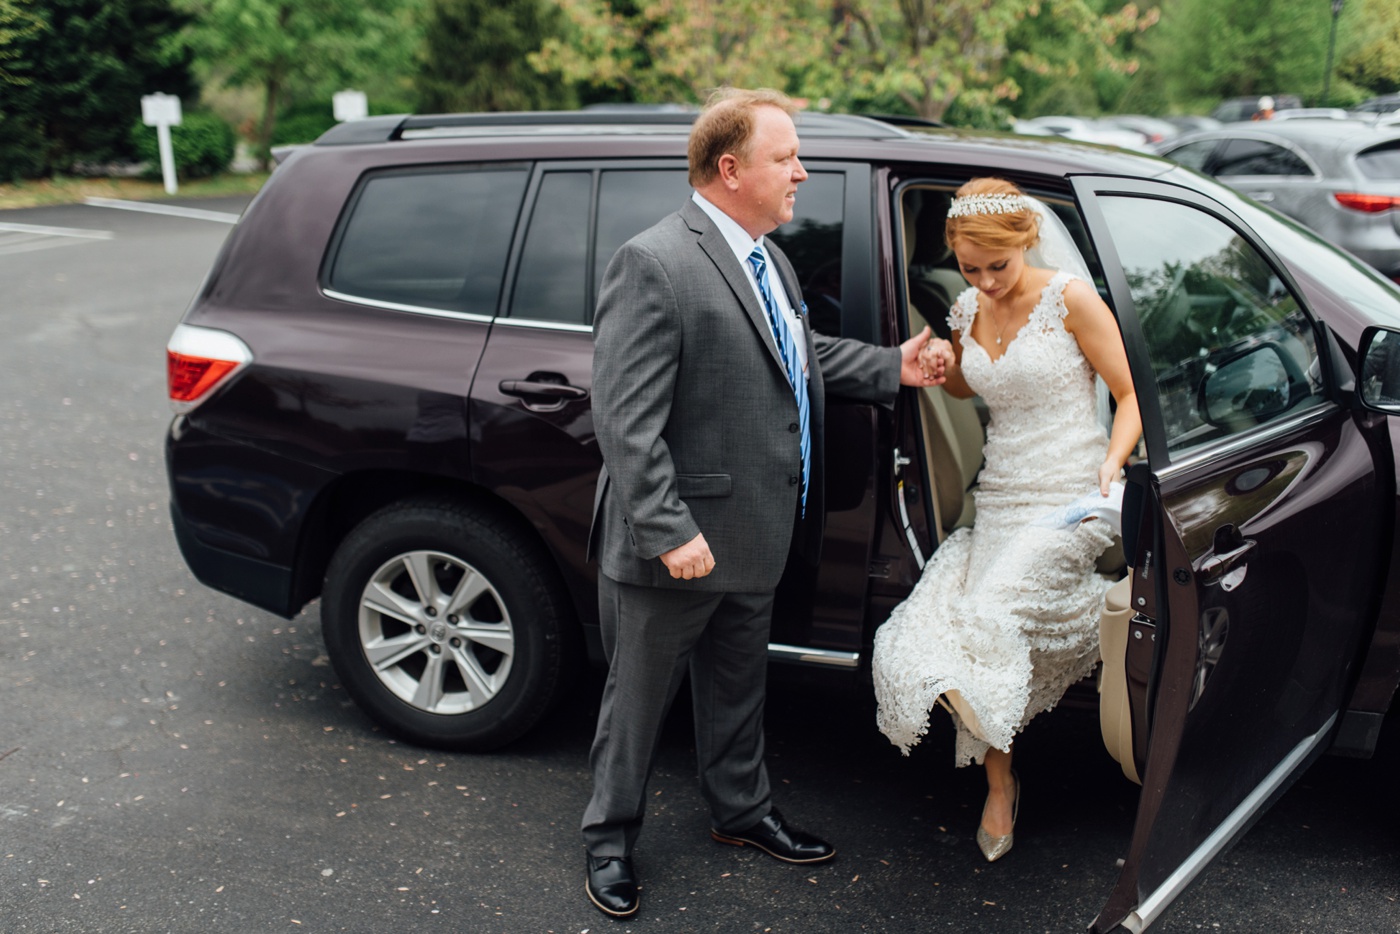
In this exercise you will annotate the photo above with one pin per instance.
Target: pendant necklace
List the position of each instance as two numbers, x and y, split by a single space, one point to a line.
1000 327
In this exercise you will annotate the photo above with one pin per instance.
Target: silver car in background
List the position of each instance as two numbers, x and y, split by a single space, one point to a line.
1339 177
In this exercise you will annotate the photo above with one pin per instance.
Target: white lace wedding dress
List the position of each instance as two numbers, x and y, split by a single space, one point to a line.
1005 616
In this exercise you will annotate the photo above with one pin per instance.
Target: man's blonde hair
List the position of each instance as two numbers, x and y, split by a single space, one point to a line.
725 125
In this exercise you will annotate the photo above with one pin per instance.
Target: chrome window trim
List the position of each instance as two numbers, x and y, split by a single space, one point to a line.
1151 907
414 309
797 653
544 325
1246 440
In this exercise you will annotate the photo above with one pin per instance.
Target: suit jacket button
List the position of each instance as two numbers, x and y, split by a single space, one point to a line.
793 481
794 427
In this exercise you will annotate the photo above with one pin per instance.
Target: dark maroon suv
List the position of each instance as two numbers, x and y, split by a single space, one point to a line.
382 394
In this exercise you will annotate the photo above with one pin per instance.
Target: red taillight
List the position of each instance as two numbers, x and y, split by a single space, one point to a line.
1367 204
199 359
191 377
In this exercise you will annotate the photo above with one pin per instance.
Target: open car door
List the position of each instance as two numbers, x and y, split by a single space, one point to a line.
1246 529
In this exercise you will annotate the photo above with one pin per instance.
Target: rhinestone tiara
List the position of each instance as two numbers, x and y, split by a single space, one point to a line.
968 205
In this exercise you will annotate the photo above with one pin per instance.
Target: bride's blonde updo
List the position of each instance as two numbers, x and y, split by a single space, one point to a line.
993 214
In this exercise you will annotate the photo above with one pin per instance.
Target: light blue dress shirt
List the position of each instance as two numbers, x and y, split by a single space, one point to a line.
742 244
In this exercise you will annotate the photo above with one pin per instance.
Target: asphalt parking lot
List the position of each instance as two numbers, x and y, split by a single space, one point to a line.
172 760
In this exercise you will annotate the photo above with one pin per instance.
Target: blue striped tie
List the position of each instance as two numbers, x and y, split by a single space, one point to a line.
782 334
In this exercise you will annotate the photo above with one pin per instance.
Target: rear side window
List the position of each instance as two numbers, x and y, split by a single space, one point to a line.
550 284
1380 162
435 239
630 201
1193 155
1256 157
812 241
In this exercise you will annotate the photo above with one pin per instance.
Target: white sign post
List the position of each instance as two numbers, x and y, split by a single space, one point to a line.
349 105
162 111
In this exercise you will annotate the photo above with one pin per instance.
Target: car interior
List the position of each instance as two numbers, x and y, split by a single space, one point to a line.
954 431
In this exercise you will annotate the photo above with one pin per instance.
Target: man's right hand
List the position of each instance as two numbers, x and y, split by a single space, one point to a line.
691 560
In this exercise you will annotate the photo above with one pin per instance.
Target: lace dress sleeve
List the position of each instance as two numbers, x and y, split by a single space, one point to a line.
1055 293
963 311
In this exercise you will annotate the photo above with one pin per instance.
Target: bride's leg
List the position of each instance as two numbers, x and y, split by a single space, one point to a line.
1001 793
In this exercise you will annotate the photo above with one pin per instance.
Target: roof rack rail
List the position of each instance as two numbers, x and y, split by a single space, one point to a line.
404 126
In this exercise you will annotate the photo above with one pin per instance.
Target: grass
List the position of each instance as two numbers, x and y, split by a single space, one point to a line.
67 190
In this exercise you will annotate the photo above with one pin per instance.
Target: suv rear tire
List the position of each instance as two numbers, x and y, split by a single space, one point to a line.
446 625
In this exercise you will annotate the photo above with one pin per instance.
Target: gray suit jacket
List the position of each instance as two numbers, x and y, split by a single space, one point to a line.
694 415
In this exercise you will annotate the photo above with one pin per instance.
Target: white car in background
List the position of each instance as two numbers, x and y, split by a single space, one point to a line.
1312 113
1085 130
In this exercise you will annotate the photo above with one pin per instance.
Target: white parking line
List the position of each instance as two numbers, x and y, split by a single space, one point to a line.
57 231
170 210
26 238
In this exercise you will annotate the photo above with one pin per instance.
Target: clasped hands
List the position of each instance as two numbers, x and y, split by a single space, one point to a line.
924 359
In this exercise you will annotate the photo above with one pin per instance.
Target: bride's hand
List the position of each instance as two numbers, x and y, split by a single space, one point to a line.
1108 472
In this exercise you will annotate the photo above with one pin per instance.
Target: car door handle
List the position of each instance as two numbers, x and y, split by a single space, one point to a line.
525 389
1263 197
1217 566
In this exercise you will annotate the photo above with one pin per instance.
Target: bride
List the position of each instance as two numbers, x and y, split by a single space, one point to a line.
1005 617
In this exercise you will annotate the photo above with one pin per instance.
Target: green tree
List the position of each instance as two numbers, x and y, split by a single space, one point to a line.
679 50
1373 62
17 21
931 53
75 71
20 143
474 57
914 55
282 45
1076 58
1207 49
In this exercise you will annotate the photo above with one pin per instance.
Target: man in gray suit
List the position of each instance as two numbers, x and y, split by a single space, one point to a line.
708 398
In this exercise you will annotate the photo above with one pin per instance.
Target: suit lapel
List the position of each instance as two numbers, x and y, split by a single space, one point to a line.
717 249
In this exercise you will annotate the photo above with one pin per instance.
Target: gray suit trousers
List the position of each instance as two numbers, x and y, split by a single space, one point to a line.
651 635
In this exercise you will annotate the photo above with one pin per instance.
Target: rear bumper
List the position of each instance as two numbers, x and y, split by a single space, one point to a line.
264 585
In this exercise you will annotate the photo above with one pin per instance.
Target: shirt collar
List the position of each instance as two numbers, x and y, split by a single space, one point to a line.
738 239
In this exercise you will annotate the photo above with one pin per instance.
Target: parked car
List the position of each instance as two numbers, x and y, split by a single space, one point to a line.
1312 113
1233 109
1153 129
382 397
1342 179
1384 104
1084 130
1190 123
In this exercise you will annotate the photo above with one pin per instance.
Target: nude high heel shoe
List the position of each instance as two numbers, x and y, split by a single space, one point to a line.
994 848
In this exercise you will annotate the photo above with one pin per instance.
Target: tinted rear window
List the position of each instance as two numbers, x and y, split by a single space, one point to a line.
1380 161
812 240
435 239
1193 155
1256 157
629 202
550 284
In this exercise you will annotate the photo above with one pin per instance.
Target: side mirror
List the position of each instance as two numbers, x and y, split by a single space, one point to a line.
1378 379
1251 387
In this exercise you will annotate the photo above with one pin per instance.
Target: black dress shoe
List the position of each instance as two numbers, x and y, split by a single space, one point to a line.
779 840
612 885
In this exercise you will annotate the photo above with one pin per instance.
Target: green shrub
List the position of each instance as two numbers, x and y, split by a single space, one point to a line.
203 145
302 127
21 149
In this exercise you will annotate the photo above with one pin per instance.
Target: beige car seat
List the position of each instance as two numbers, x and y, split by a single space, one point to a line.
953 433
1115 714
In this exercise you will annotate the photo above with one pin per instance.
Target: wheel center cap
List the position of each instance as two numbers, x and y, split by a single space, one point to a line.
438 631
